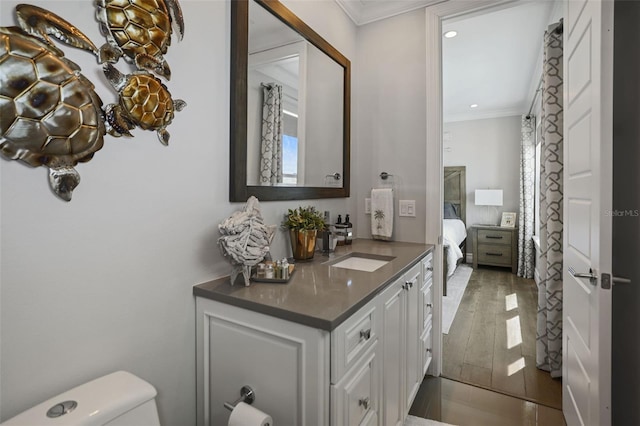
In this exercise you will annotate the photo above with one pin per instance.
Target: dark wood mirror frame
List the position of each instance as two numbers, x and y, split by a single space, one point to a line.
238 188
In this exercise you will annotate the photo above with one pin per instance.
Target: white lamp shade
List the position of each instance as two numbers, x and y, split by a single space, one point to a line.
488 197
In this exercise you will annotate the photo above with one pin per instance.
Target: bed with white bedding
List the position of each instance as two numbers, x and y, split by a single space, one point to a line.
454 234
454 223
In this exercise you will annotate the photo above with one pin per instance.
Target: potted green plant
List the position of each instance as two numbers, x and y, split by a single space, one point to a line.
303 224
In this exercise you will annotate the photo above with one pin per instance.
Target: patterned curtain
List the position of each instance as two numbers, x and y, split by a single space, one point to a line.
549 325
527 197
271 147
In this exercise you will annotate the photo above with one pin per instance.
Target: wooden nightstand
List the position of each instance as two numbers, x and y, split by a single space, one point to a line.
495 246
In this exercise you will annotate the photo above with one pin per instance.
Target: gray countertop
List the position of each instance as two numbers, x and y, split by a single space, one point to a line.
319 295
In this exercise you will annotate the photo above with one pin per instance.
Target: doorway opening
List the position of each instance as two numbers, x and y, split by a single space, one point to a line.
490 72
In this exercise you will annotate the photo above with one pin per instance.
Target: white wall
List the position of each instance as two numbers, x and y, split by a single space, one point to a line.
104 282
390 118
490 149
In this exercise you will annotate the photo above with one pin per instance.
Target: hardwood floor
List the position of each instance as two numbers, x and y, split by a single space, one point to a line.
492 341
460 404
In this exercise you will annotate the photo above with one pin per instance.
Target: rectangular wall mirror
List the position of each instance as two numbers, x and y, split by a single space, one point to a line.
290 107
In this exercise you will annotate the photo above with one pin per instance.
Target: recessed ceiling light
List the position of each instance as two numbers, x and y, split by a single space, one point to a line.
450 34
473 106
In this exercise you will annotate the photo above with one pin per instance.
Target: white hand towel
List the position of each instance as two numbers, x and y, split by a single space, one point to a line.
382 214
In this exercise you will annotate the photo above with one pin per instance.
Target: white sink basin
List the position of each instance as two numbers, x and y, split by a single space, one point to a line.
365 262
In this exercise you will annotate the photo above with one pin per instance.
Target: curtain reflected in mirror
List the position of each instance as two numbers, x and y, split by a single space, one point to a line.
271 146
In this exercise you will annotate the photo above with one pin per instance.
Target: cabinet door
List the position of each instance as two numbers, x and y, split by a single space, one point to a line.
287 365
413 330
393 362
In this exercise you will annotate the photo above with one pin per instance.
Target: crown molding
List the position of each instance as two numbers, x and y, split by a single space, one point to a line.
364 12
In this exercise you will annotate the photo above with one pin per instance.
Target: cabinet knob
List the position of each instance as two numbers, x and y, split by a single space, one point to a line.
429 268
408 284
429 305
428 350
365 334
364 402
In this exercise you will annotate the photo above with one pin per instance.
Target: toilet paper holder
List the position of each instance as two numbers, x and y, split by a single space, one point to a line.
247 395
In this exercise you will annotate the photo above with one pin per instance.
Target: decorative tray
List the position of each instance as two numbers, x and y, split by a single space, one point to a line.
273 280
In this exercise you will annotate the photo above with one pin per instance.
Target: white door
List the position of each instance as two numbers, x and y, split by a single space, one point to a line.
588 87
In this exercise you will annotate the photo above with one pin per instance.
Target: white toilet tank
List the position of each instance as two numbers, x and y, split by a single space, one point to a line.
117 399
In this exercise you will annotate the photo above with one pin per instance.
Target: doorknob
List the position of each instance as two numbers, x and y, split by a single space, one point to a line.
592 277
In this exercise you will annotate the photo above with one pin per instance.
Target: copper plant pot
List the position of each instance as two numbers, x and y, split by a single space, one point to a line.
303 243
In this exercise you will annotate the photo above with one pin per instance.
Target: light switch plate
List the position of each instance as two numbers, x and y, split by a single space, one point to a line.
367 206
408 208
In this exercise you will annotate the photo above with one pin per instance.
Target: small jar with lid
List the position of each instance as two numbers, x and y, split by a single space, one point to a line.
261 270
268 273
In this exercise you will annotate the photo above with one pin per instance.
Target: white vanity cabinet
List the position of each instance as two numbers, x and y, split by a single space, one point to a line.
401 365
365 371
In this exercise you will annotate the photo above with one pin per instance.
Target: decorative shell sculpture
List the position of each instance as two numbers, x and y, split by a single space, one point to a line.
139 30
245 239
51 115
143 101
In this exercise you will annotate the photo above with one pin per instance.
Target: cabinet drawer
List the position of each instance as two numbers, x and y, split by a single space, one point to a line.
494 237
494 254
427 353
351 339
355 397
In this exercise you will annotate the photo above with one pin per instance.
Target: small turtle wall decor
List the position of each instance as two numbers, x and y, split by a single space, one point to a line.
140 31
143 102
51 114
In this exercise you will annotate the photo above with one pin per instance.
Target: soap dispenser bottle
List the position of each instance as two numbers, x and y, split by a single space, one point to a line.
348 231
340 231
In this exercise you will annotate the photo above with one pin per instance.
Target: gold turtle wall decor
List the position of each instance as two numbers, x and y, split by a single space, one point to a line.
51 114
143 101
140 31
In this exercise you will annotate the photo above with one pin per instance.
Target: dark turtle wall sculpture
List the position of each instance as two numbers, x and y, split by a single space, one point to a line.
50 114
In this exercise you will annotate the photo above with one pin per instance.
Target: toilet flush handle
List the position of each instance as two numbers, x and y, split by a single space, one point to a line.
61 409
